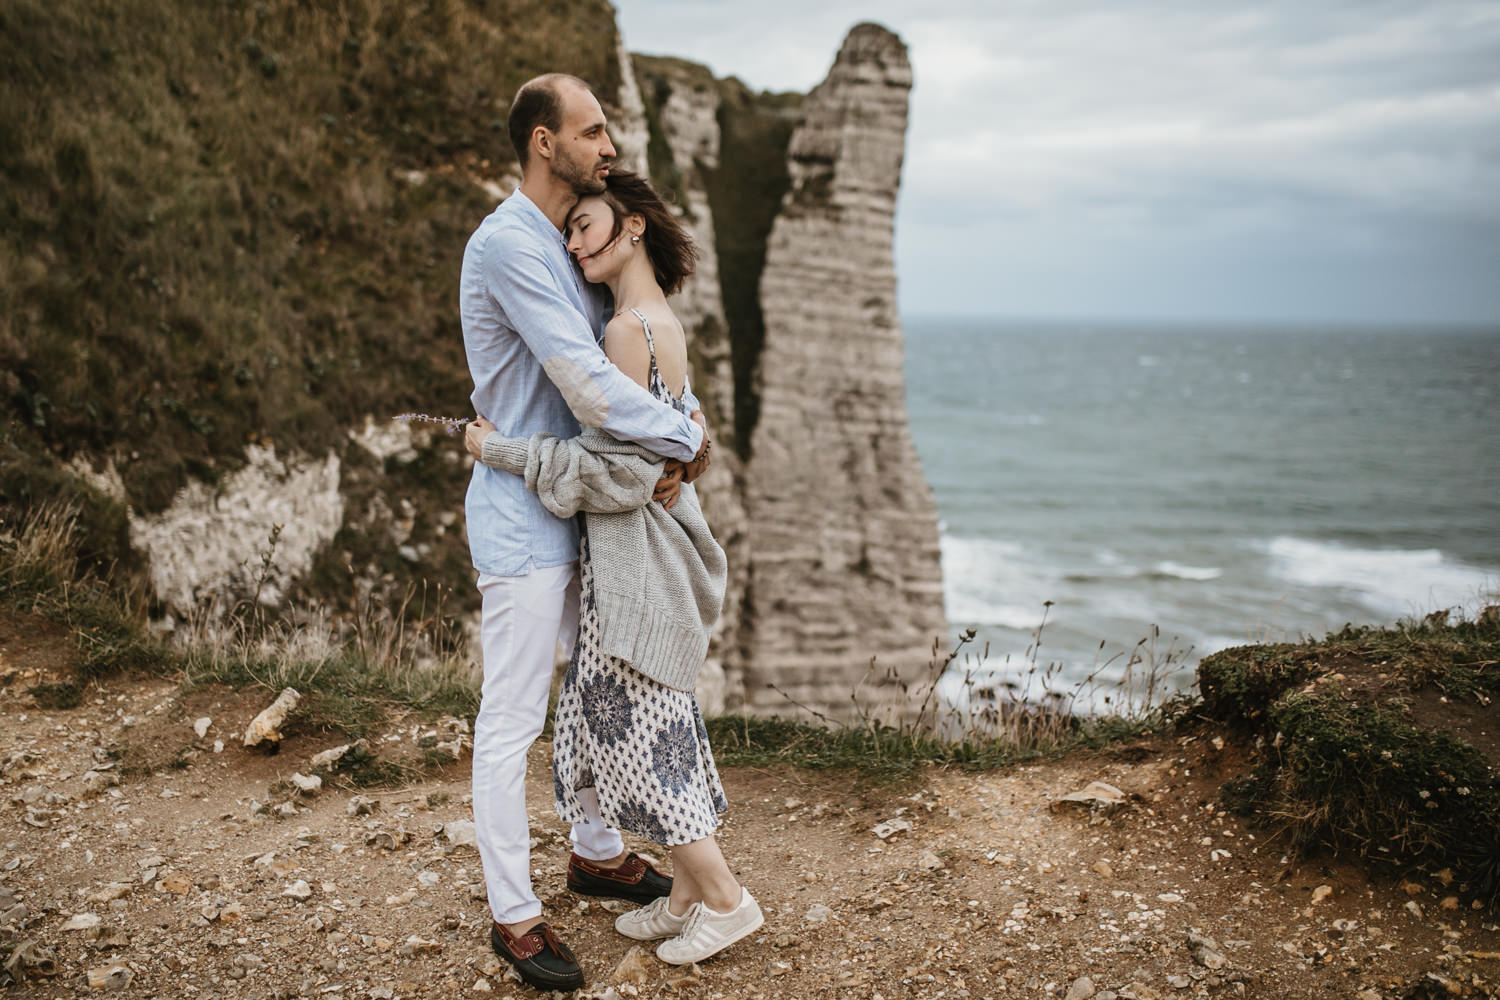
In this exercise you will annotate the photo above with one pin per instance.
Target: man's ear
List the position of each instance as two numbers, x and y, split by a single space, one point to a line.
541 141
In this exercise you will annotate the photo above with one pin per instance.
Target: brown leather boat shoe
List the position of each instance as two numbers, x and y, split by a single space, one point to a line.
539 956
635 880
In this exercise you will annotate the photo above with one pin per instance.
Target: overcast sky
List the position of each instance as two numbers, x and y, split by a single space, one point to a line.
1308 160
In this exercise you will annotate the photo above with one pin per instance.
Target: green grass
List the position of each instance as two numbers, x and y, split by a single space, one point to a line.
42 572
350 678
1362 743
206 242
1367 776
352 681
1034 722
1242 683
892 754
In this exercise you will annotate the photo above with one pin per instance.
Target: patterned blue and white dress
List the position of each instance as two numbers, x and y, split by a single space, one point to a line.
640 745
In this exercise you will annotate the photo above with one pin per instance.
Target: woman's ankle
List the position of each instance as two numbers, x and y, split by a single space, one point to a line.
724 901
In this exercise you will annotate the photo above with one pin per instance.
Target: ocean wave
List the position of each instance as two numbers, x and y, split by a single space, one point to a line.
1181 572
965 610
1119 570
967 554
1114 568
1392 582
986 581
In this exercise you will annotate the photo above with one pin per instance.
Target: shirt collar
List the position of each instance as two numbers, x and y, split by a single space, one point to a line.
529 209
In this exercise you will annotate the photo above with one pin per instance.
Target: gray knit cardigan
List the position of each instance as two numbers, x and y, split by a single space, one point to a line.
659 576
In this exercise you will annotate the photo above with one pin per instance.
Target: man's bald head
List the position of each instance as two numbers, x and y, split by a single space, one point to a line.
538 102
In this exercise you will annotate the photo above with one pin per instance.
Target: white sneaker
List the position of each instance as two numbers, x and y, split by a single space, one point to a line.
652 921
708 932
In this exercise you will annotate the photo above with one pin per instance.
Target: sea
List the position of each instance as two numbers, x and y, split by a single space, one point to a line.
1128 495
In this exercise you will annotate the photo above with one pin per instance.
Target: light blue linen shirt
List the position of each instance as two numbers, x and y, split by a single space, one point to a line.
532 331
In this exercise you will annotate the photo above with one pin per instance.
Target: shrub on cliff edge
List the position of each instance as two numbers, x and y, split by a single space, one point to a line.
1379 741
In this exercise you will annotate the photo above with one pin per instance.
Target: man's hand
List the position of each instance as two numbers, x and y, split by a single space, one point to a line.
692 470
669 486
474 436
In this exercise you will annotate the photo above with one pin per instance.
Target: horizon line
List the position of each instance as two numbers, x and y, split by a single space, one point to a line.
1284 323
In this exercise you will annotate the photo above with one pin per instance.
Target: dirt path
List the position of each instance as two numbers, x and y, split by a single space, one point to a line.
178 887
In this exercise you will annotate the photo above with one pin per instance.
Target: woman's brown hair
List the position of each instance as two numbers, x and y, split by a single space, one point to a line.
668 246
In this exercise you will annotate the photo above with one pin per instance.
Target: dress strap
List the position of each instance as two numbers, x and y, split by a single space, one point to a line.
650 343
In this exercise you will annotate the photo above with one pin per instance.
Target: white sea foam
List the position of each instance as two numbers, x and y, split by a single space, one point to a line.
967 609
1169 568
987 581
1392 582
1114 568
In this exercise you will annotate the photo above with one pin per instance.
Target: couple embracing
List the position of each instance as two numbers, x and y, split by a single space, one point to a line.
584 527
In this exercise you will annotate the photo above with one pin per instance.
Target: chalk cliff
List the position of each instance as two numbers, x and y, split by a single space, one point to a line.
836 550
844 557
682 102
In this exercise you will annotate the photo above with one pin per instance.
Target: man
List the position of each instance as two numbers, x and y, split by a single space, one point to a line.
531 327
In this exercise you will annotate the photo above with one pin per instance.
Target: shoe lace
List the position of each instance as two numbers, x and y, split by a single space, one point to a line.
653 909
550 937
695 918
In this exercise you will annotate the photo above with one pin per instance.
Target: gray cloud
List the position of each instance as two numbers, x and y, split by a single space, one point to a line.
1155 140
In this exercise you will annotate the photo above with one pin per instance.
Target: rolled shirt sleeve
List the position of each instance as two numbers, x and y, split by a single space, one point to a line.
598 393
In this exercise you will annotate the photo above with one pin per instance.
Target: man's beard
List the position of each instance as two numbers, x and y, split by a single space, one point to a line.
583 180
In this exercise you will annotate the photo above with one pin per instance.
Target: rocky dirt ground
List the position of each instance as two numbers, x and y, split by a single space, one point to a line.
143 858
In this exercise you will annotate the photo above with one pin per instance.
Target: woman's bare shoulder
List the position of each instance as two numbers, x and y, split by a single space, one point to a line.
625 345
625 324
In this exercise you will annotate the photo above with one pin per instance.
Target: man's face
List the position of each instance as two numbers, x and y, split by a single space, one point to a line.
582 151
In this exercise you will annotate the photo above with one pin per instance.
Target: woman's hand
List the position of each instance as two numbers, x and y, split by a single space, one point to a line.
474 436
669 486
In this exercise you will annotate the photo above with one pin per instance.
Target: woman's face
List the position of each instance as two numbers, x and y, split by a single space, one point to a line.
589 229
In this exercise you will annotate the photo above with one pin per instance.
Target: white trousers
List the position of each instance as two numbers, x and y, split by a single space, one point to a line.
522 620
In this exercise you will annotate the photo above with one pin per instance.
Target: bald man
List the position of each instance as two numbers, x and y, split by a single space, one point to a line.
532 327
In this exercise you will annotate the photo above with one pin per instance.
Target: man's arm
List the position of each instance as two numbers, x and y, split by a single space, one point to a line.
597 392
592 472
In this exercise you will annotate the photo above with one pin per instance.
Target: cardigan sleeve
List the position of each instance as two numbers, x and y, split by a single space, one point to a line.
576 474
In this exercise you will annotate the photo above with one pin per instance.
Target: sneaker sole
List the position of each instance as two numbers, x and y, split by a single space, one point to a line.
654 937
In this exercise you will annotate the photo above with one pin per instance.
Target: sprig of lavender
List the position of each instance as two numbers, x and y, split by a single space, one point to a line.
450 425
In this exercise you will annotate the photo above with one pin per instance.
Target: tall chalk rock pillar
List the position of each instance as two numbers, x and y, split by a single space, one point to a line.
682 99
844 557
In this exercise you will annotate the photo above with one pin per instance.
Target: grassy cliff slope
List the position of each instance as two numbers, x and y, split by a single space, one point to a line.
242 222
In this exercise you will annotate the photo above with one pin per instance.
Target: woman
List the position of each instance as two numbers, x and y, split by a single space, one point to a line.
628 728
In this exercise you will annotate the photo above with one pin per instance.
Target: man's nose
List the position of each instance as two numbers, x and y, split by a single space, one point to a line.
608 151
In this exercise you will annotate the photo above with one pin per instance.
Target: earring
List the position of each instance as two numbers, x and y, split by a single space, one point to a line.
635 239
